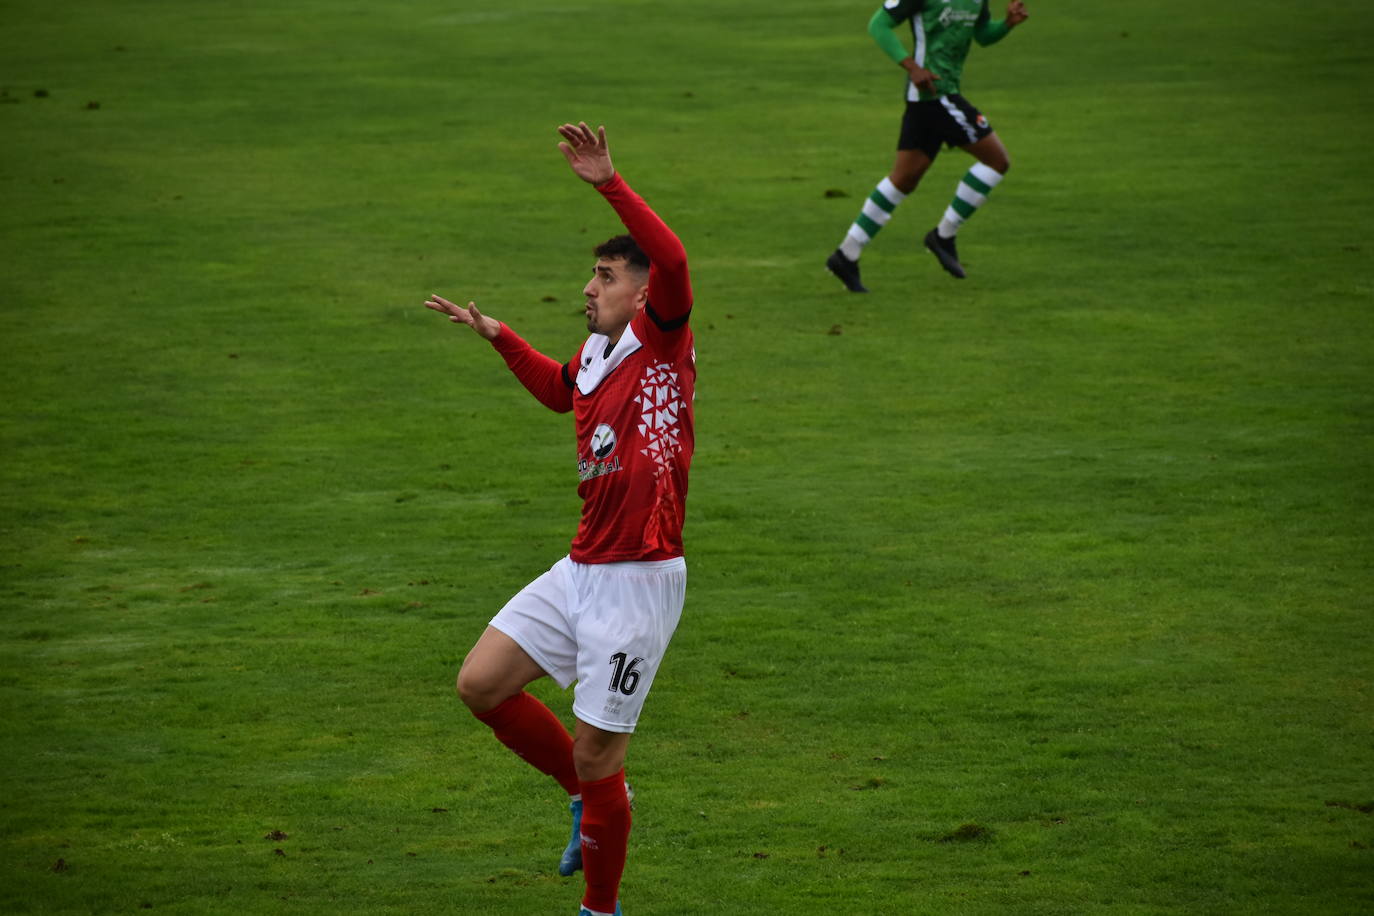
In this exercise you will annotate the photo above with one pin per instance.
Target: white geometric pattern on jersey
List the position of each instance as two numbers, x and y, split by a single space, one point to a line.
660 400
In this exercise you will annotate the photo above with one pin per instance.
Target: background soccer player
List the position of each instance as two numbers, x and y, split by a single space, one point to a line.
935 114
603 615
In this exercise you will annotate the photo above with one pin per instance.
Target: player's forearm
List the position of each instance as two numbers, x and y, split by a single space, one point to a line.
670 286
883 29
541 375
986 32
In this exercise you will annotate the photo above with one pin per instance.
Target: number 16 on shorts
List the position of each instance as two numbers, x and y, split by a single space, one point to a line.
624 677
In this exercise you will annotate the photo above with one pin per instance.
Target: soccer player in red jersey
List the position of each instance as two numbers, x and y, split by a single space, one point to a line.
603 615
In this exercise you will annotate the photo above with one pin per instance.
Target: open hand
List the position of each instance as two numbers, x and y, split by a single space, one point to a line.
587 152
487 327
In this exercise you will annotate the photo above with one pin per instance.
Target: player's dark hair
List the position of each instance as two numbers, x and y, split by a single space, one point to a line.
622 246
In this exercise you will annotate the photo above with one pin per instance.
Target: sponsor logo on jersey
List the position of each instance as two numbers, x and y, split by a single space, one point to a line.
603 441
587 470
949 15
602 461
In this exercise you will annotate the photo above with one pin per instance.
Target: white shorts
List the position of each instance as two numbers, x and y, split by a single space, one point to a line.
605 626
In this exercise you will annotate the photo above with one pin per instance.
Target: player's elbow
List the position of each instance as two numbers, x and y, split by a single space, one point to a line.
561 402
987 35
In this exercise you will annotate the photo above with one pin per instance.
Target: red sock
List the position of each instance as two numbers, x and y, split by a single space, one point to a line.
529 728
605 836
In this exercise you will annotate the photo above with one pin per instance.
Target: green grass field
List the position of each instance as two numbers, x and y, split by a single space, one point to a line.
1044 592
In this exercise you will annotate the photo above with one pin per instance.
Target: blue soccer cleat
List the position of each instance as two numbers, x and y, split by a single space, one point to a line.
572 856
586 912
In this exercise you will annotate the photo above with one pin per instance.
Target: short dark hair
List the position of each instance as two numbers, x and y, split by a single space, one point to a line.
624 247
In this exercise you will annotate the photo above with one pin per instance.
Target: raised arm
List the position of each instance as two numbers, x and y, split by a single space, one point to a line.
670 286
542 376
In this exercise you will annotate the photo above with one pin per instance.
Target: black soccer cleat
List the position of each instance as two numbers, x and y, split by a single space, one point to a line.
945 253
846 270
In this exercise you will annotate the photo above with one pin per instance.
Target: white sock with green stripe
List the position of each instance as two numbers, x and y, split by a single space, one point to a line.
971 194
877 210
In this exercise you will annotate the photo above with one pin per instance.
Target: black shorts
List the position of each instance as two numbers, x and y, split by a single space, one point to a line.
950 120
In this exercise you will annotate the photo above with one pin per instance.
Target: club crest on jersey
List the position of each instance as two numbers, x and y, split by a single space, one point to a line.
603 461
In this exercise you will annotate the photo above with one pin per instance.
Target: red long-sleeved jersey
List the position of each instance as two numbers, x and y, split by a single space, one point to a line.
632 404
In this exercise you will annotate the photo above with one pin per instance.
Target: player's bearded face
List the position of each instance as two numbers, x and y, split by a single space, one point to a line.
614 294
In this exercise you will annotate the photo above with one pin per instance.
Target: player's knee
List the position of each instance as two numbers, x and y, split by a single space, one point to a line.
595 760
463 684
905 181
593 766
477 693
